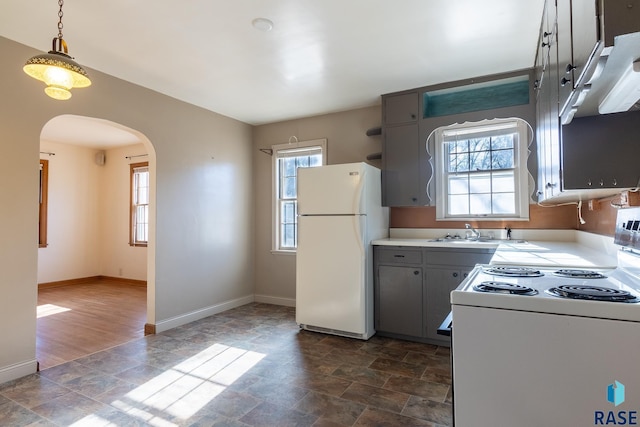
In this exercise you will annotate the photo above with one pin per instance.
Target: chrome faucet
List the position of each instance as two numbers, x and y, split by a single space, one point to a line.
475 233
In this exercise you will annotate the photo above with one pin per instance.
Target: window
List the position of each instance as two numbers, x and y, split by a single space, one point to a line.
44 197
139 212
287 159
483 170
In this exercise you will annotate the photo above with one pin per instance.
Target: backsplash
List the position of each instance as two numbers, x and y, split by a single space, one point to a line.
557 217
601 219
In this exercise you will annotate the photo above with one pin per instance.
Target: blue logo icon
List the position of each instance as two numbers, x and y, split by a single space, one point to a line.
615 393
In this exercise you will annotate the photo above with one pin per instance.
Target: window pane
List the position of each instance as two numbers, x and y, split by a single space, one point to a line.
288 166
315 160
458 184
141 223
458 204
303 161
480 204
289 212
504 182
288 238
502 142
458 146
504 203
142 195
479 144
480 160
288 188
502 159
459 162
479 183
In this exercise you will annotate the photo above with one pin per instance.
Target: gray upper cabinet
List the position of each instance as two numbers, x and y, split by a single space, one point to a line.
577 36
400 150
578 154
400 108
401 166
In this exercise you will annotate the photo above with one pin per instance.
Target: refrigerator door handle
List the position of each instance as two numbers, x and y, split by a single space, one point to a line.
357 197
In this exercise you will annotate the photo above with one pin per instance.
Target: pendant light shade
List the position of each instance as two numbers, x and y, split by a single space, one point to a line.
57 69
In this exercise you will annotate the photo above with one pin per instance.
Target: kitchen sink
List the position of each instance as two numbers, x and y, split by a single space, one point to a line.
480 241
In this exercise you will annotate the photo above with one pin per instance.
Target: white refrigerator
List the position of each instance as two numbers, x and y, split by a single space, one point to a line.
339 213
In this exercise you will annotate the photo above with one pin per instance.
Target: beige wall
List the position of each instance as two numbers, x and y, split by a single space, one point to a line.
347 142
201 256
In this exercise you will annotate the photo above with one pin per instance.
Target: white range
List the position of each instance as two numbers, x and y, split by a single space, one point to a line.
535 347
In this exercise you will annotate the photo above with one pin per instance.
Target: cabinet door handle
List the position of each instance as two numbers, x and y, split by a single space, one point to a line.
570 68
615 181
398 256
465 275
455 274
564 81
416 272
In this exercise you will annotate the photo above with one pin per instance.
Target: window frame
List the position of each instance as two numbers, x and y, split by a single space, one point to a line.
285 150
470 130
43 204
133 223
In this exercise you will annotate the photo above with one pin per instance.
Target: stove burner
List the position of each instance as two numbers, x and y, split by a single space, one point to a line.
579 274
593 293
504 288
513 271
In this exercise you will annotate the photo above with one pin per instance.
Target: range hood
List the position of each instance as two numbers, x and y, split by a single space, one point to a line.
625 93
610 82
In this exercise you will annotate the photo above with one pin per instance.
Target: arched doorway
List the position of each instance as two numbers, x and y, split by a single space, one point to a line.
89 177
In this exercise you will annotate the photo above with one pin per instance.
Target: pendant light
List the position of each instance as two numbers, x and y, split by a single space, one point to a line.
57 69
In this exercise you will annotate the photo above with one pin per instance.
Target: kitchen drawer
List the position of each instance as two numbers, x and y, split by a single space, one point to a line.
458 257
398 256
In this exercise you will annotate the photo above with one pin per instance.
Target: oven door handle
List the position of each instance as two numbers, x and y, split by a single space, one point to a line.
446 325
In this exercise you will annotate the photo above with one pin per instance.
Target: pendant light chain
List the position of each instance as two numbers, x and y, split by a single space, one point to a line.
60 14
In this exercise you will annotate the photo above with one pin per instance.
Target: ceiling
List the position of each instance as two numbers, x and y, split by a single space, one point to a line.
320 56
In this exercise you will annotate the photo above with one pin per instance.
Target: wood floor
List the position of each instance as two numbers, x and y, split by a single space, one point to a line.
81 319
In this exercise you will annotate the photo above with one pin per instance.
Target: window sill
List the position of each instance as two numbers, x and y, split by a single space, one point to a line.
281 252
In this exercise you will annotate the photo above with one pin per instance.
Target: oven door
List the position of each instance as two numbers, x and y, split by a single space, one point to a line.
445 326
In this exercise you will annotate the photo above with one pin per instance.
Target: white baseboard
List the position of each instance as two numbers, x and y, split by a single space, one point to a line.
18 370
266 299
183 319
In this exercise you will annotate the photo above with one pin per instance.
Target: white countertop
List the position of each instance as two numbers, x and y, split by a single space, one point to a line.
430 243
577 250
552 254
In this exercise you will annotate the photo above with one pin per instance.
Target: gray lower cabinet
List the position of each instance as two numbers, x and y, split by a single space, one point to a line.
400 300
412 288
440 282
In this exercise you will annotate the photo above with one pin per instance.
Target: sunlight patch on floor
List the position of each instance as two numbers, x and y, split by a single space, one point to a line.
50 309
181 391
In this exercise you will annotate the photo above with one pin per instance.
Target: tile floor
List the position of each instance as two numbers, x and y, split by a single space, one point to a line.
250 366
